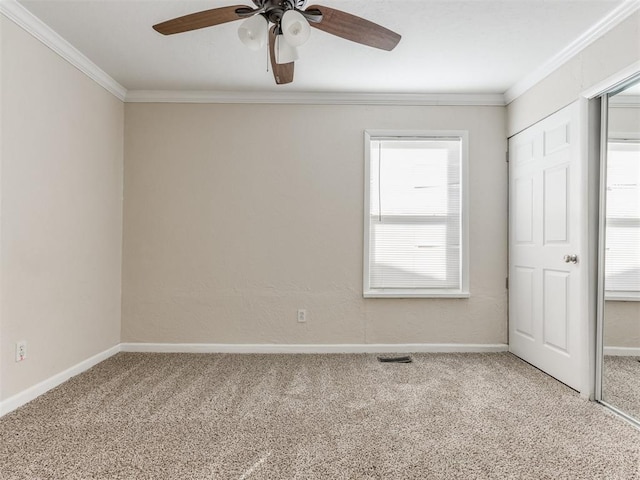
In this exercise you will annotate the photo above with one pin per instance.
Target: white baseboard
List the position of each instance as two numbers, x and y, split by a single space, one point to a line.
622 351
311 348
11 403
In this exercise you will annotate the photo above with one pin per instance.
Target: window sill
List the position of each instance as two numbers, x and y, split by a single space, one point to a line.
622 296
415 294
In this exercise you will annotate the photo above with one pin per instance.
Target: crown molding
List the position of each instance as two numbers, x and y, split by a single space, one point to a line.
33 25
314 98
614 18
30 23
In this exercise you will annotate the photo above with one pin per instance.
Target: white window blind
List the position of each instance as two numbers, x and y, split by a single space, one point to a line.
414 216
622 258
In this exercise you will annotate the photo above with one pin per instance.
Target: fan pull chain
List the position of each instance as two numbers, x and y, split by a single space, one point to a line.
267 57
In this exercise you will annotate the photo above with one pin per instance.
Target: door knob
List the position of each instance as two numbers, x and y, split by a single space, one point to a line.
571 258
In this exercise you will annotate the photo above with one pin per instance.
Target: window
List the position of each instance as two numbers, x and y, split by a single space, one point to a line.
415 224
622 266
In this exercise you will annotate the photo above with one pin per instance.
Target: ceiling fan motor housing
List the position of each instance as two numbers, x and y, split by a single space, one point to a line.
283 4
273 10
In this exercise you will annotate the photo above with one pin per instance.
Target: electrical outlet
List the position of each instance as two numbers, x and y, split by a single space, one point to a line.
21 351
302 315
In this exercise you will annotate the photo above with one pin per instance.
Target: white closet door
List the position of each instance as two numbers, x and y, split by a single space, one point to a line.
548 304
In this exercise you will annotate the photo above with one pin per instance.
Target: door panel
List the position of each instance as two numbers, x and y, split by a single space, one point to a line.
556 139
523 320
524 210
556 309
547 300
556 196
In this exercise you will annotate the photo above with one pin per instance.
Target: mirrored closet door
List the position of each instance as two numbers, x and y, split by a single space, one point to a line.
619 272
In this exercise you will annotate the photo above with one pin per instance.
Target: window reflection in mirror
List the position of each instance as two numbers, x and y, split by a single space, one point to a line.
621 343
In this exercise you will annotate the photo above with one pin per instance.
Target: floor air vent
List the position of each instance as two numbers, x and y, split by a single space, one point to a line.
405 359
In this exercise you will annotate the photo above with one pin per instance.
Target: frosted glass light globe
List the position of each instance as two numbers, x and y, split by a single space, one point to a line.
295 28
253 32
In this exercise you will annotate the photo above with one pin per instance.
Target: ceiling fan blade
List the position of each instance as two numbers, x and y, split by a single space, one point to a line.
282 72
194 21
356 29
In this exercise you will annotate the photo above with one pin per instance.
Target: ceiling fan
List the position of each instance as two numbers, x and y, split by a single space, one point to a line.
290 27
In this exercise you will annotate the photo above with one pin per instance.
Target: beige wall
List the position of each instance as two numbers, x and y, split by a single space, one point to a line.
61 220
237 215
608 55
623 120
622 324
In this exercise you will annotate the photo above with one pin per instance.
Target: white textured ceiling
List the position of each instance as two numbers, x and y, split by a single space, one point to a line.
447 46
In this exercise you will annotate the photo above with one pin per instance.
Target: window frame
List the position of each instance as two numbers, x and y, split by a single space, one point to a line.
463 291
618 138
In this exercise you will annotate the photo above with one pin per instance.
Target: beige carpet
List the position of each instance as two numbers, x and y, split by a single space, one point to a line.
445 416
621 383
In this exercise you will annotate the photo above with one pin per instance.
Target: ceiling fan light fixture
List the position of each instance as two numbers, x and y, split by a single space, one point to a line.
286 24
295 28
253 32
284 52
